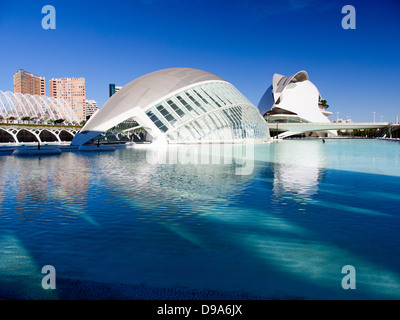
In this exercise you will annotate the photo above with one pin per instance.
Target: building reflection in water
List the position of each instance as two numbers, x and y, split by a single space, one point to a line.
46 183
201 173
2 174
71 177
298 169
33 191
154 179
190 225
71 185
196 173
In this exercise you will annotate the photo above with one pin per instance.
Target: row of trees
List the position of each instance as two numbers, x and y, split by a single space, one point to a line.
54 122
369 133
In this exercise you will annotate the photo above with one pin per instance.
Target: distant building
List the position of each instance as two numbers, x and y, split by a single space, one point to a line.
342 121
73 91
294 99
113 89
27 83
91 108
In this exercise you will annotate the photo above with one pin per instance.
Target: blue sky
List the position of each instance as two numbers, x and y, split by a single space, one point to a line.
243 41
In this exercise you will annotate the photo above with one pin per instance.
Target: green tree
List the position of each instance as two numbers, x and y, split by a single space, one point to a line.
324 103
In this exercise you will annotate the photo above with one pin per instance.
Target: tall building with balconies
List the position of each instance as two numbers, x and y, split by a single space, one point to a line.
27 83
91 108
73 91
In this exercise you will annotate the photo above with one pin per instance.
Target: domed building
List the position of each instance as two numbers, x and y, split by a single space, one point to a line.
177 105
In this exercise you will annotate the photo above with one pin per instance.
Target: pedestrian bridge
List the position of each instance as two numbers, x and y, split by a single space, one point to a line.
36 133
291 129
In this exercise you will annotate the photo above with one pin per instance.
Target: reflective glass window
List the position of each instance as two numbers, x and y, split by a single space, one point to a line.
213 90
157 121
219 106
166 115
174 107
187 105
198 104
201 97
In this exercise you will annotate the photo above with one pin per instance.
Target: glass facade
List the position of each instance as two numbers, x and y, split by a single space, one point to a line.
126 131
209 112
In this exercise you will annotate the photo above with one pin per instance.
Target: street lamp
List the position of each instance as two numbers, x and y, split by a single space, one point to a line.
381 119
374 115
337 118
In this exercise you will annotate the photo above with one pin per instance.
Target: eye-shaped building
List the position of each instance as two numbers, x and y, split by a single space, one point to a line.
178 105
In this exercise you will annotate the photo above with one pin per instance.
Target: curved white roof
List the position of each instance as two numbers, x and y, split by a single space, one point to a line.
146 90
179 105
134 99
280 82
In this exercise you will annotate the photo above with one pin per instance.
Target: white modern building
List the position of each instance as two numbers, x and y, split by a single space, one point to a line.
91 108
293 99
178 105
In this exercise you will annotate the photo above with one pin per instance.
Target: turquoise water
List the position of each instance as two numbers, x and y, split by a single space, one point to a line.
284 229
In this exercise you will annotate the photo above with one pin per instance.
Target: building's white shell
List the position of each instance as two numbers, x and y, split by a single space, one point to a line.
179 105
294 97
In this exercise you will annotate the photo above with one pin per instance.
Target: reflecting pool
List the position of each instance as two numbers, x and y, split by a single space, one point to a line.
285 229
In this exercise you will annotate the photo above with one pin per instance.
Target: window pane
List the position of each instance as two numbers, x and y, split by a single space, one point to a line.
174 107
219 106
198 104
167 115
157 121
187 105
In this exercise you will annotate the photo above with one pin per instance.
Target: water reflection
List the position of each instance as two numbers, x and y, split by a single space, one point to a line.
208 173
120 218
45 184
32 190
298 169
2 175
158 179
71 177
218 218
240 155
71 186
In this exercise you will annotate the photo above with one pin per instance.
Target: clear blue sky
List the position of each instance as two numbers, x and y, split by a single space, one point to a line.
243 41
